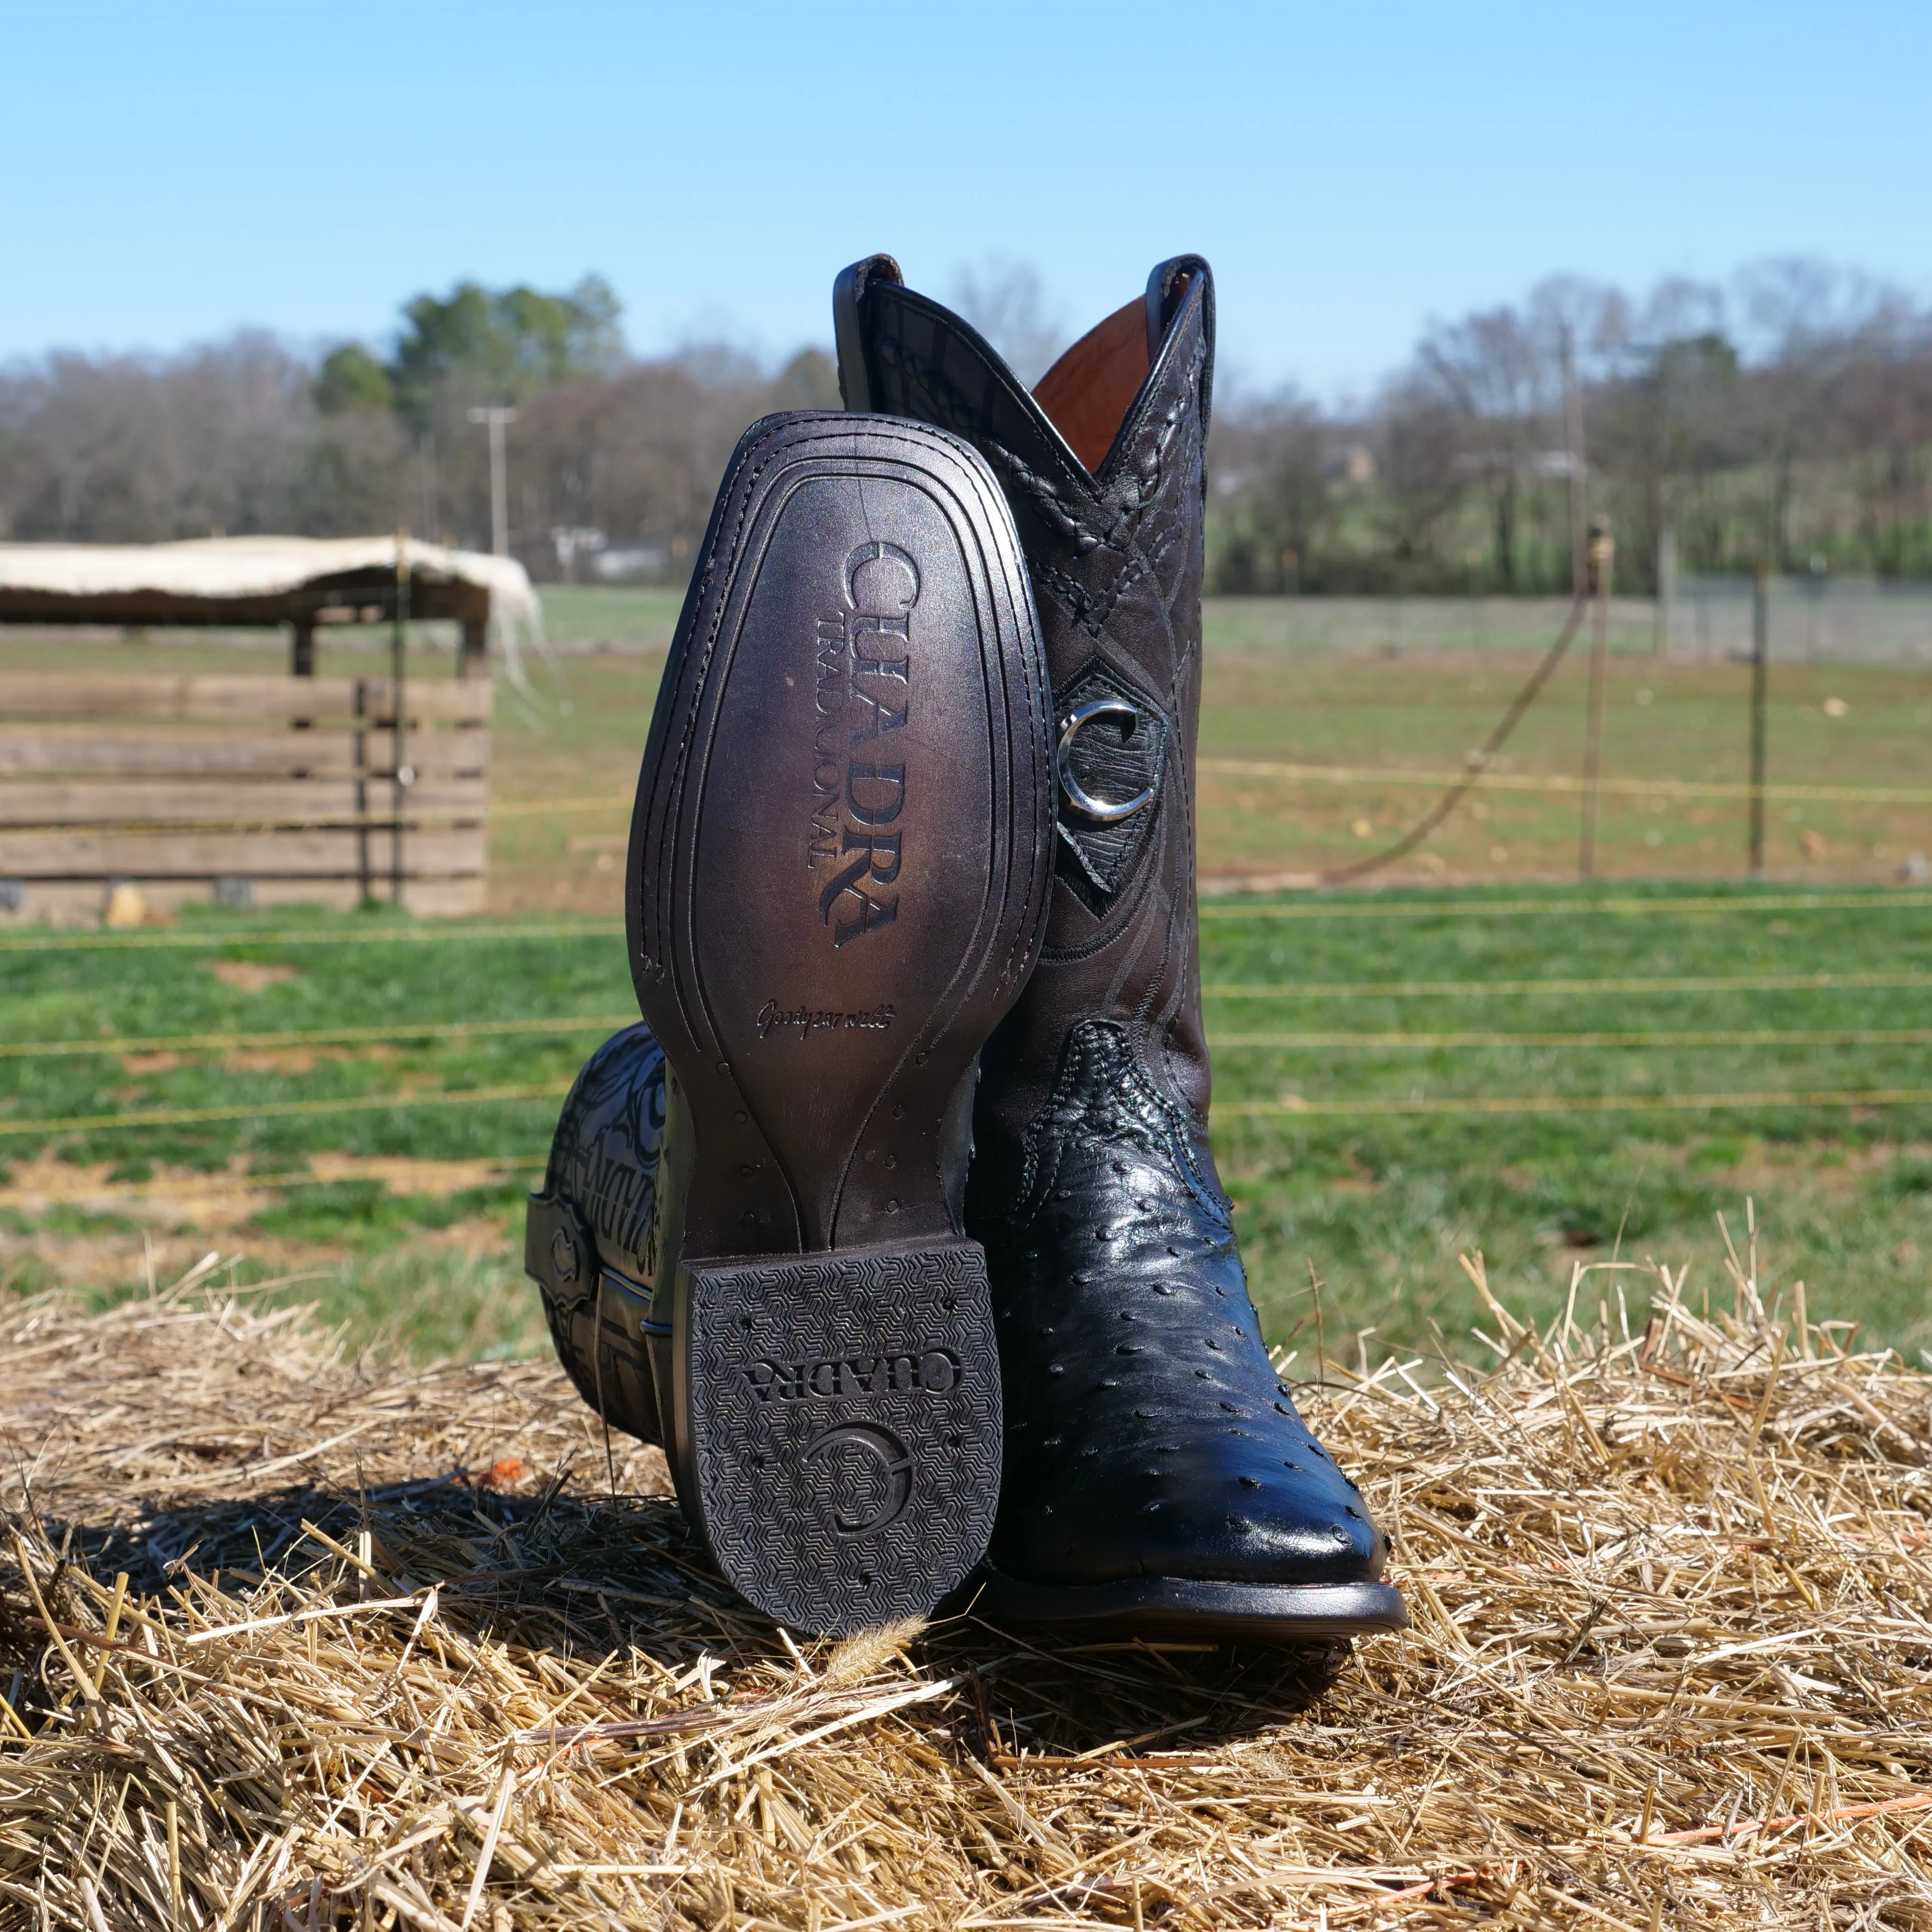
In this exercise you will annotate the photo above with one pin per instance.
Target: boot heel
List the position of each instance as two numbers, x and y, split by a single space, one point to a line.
845 1410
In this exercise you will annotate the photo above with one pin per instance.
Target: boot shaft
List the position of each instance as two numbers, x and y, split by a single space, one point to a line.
1103 464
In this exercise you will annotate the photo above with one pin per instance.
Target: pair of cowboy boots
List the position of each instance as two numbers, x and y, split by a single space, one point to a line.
896 1223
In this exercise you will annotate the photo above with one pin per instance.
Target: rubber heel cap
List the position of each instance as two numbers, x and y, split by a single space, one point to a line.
844 1425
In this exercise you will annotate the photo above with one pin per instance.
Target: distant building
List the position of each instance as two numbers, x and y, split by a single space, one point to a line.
1353 463
573 541
615 566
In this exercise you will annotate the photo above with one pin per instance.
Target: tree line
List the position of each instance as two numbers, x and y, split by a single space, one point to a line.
1784 418
249 436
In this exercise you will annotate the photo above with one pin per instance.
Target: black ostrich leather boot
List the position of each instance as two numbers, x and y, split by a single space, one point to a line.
1157 1477
590 1237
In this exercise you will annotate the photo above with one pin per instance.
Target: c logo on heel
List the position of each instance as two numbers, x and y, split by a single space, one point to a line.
866 1476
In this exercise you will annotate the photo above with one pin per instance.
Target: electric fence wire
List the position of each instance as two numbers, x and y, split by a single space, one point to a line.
1479 761
1655 906
1291 1106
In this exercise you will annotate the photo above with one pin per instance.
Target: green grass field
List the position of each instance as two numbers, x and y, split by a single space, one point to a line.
1379 1003
408 1218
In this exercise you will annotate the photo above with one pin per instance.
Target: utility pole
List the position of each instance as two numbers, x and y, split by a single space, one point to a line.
1602 551
431 525
1760 682
496 417
1572 408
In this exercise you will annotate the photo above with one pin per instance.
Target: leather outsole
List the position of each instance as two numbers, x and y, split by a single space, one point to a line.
837 887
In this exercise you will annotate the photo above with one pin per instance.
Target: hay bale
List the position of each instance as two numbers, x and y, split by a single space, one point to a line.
392 1653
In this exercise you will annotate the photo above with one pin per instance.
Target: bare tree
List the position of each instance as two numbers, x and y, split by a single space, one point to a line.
1271 498
248 436
1665 424
1883 432
1005 300
116 448
1791 411
1814 324
1422 447
1492 370
637 453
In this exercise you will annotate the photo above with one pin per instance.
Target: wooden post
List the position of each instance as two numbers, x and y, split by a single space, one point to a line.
1666 587
404 775
472 658
302 647
1760 682
1603 549
364 894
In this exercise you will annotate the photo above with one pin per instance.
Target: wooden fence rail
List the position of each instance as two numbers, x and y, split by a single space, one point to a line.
251 790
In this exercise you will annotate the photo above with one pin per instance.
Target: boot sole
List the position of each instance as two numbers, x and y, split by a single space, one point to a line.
1181 1606
839 871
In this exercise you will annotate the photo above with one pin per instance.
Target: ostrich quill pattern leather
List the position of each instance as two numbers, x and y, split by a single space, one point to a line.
1147 1435
590 1239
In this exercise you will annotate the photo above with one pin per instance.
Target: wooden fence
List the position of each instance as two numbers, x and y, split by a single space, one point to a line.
248 790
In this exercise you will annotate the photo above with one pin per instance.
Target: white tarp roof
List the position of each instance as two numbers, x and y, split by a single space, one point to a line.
262 567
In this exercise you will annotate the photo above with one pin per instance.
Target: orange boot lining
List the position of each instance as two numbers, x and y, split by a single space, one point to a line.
1086 394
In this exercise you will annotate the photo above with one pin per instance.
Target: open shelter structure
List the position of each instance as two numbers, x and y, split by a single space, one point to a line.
126 794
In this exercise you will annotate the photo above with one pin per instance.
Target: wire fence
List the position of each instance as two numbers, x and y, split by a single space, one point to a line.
1636 986
1224 1039
1651 906
1811 619
1290 1106
282 1110
1580 1103
398 934
1814 618
135 1044
498 934
1563 784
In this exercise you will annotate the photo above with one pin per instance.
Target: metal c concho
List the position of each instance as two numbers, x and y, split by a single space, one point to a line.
1101 811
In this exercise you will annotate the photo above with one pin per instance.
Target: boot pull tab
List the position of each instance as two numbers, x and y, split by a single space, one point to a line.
1168 290
855 383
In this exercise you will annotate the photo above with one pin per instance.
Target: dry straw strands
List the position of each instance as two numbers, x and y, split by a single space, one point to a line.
390 1655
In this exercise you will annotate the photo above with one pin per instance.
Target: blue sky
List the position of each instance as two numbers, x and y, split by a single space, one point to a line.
1351 169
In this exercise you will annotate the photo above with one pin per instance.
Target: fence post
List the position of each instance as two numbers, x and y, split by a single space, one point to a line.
1602 550
404 776
1760 679
1666 587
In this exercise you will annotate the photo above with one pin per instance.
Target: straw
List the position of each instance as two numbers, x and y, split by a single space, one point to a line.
387 1653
